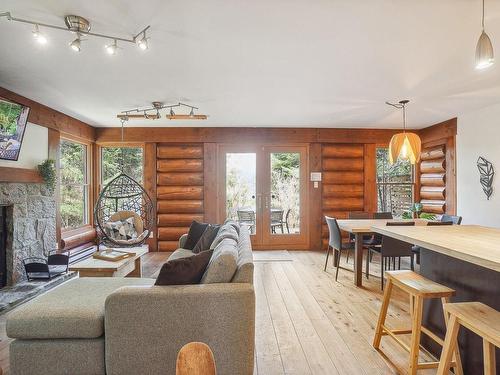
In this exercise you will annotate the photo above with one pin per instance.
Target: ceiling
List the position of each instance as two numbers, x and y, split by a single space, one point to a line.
294 63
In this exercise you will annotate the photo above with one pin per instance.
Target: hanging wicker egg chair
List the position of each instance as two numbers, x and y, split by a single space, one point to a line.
123 213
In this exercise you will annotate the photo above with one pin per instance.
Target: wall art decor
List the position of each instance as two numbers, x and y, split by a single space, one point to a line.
486 173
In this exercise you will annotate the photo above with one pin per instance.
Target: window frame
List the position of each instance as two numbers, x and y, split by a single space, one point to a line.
88 186
412 184
99 166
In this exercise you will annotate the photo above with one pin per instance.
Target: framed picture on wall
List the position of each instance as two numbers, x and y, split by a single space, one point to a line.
13 120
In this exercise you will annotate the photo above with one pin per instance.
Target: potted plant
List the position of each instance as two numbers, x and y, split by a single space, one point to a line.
47 170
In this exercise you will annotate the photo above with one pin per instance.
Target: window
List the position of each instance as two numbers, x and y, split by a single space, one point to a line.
394 184
111 163
74 185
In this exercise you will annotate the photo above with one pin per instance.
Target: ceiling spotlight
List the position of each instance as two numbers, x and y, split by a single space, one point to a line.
40 38
143 42
191 113
112 48
172 113
76 44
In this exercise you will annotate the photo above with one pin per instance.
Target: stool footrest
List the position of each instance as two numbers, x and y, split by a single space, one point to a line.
396 331
432 335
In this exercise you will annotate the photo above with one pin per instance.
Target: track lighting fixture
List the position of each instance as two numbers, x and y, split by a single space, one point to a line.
39 37
145 113
484 49
143 42
81 26
76 45
111 49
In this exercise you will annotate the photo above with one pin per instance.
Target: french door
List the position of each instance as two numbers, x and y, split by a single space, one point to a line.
265 188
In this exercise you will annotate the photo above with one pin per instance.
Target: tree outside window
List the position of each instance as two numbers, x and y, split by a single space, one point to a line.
112 159
74 185
395 184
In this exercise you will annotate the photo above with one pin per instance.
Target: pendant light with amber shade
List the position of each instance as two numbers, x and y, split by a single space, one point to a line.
405 145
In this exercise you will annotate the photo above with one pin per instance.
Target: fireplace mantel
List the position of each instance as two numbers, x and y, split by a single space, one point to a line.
9 174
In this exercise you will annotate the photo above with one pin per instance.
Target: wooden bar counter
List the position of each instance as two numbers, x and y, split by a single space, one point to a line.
465 258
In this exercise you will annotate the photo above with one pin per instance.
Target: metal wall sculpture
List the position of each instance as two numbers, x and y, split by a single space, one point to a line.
486 172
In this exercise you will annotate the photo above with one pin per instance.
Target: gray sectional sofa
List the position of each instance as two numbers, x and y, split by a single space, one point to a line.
129 326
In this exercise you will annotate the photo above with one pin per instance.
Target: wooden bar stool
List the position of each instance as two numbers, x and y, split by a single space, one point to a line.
419 288
480 319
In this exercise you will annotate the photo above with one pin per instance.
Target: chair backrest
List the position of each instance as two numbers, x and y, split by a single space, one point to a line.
457 220
394 247
355 215
195 358
58 260
246 216
400 223
335 239
438 223
277 215
287 214
382 215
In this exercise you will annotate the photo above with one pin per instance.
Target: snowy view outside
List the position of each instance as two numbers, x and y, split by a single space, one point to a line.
285 190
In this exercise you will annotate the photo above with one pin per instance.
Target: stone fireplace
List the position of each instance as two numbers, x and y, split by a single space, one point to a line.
29 222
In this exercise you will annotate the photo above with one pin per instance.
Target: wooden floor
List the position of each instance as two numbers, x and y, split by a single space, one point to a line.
306 323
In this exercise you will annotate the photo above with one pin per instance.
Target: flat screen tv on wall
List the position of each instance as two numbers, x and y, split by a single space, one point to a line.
13 119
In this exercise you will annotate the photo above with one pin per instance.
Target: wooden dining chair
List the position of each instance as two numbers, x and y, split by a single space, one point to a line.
383 215
335 243
195 358
389 250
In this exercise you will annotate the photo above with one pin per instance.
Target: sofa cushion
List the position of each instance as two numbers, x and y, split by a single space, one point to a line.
184 271
222 265
244 272
180 253
73 310
195 232
226 231
206 238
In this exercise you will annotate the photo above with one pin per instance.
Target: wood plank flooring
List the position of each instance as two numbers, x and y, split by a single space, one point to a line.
307 323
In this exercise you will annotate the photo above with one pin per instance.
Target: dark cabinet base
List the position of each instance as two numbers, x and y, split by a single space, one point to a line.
472 284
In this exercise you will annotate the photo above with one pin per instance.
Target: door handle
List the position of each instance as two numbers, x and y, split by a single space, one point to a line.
267 202
258 206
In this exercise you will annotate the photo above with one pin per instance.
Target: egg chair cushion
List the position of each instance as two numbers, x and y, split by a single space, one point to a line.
125 228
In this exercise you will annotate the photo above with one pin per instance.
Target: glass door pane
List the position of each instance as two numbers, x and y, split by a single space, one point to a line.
241 188
285 193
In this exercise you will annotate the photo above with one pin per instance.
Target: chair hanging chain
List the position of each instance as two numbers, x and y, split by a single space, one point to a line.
122 163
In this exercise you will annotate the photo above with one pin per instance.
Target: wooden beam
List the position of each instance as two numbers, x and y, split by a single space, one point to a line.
150 187
315 198
50 118
438 131
8 174
245 135
54 141
370 175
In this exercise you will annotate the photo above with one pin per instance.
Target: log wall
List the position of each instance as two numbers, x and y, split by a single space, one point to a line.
433 179
179 191
343 186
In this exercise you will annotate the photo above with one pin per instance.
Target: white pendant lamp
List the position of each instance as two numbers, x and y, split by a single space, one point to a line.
484 49
405 145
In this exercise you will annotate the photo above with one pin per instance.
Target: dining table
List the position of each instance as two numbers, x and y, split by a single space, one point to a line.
360 228
465 258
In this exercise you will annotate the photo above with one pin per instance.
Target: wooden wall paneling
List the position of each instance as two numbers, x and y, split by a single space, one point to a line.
180 190
150 187
315 199
370 176
52 119
210 173
451 176
54 141
433 177
343 186
443 130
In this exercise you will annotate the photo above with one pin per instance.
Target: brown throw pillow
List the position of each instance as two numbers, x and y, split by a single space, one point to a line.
184 271
195 232
207 238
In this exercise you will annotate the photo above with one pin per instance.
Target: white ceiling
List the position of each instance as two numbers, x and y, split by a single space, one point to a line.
321 63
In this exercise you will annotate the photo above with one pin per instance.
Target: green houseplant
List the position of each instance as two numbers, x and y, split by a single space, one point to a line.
47 170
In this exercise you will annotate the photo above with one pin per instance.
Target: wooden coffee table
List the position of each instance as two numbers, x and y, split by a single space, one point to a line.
130 267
